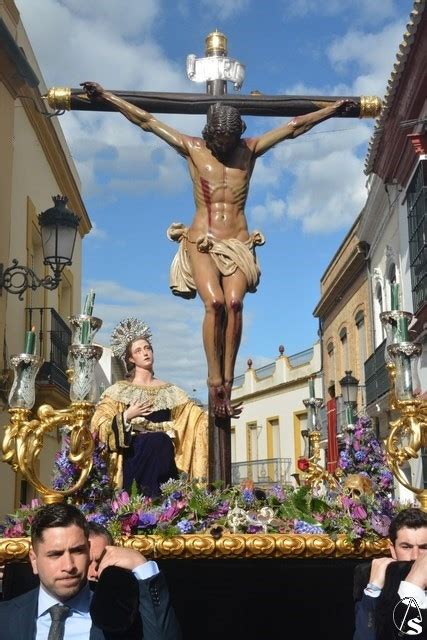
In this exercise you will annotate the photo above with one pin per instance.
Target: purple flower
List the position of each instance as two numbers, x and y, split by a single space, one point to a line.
380 524
360 456
386 478
346 502
185 526
128 522
146 519
358 512
223 508
248 496
254 528
300 526
169 513
277 492
99 518
15 531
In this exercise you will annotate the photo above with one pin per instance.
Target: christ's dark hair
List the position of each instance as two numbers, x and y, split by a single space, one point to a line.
57 515
412 518
223 118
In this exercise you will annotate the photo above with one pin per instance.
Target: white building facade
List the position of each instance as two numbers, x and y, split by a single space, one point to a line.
267 440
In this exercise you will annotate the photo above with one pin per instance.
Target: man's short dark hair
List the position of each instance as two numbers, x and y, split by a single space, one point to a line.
412 518
57 515
96 529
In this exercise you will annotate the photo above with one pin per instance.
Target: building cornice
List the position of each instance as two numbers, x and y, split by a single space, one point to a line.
403 100
21 82
11 9
267 391
351 269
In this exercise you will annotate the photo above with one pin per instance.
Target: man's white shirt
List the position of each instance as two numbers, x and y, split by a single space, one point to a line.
78 623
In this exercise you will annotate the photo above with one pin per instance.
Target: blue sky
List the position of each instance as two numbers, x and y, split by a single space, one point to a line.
304 194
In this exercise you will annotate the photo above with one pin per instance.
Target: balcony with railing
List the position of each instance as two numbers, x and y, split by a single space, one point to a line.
54 337
266 472
376 376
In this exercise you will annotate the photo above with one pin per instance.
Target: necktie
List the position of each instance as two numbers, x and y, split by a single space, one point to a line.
58 613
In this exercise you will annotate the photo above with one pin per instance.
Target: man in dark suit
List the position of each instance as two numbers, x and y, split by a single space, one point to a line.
62 607
408 541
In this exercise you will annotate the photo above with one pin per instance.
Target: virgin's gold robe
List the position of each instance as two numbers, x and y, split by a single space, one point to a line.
187 420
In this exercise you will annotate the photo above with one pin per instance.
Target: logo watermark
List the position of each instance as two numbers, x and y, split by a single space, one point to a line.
407 617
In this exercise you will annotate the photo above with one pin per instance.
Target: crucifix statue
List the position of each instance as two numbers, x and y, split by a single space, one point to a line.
216 256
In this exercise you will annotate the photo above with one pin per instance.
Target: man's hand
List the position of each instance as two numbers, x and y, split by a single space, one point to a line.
94 91
378 569
418 572
345 106
120 557
138 410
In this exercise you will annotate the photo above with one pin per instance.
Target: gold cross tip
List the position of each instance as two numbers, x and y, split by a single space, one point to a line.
59 98
216 44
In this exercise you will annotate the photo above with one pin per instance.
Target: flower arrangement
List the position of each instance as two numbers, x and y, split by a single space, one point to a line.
186 507
364 454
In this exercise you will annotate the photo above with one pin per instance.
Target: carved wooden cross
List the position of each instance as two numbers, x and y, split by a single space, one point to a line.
216 69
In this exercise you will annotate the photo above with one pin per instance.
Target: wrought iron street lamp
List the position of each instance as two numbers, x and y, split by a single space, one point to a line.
349 385
58 226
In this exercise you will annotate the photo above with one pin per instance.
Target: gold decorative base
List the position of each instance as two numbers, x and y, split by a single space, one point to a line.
275 545
23 442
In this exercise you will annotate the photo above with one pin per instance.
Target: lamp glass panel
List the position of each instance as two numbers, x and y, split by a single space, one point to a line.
58 244
351 391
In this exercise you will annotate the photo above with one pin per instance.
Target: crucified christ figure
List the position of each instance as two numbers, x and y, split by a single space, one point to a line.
216 257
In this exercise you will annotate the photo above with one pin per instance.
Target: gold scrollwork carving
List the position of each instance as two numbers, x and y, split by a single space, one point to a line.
23 442
14 549
230 545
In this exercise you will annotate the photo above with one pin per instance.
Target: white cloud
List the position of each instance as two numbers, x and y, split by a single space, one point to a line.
97 45
97 233
336 194
372 53
138 16
325 174
329 188
175 323
273 209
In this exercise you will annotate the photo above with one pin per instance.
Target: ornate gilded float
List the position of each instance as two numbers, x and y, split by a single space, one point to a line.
229 546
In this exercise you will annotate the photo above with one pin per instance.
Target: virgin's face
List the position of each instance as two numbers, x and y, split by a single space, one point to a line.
142 354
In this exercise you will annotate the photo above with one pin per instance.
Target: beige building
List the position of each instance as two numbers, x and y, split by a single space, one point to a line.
266 440
36 164
344 314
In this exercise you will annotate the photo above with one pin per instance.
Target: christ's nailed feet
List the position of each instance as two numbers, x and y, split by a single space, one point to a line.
220 402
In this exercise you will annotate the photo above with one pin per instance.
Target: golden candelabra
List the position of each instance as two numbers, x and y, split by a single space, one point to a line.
24 436
408 433
314 474
23 442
